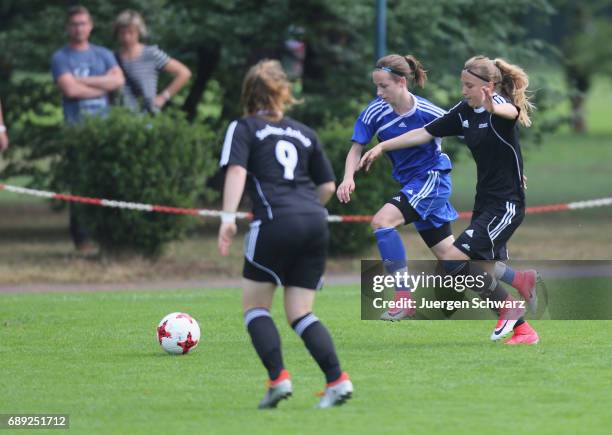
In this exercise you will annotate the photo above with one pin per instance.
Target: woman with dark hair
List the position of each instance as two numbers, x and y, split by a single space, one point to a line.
423 172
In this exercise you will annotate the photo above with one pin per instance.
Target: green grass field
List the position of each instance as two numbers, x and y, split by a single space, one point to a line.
94 356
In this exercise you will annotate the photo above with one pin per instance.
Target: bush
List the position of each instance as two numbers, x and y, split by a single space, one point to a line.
372 189
154 160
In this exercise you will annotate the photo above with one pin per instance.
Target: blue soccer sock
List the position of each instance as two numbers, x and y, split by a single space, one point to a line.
392 251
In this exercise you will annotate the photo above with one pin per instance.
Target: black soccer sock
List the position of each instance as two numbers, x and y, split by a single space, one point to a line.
266 340
490 289
320 345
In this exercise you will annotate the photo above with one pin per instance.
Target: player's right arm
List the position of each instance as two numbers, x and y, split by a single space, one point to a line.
235 158
235 180
350 167
448 124
72 88
413 138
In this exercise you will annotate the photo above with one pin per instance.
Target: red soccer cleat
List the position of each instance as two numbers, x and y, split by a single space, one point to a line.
507 319
525 282
524 334
402 298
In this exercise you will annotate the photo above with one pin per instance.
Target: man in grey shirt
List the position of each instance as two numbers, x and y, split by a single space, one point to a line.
85 74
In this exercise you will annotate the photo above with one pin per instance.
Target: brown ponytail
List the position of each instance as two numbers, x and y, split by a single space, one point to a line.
266 88
403 66
419 75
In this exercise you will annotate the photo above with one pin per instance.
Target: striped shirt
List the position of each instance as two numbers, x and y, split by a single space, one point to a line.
142 72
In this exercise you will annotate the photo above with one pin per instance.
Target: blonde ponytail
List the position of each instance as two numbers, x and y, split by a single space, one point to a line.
514 83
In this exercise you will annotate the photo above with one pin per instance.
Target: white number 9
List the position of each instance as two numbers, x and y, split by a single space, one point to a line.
287 156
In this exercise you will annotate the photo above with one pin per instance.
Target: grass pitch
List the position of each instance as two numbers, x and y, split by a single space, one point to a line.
95 356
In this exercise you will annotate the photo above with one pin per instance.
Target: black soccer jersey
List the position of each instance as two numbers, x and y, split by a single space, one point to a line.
285 162
494 143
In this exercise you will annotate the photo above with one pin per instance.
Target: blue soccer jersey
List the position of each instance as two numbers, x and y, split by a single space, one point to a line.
378 119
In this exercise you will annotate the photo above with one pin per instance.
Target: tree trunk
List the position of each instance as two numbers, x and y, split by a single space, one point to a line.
208 59
579 86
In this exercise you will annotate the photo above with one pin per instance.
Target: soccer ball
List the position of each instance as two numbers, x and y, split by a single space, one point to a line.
178 333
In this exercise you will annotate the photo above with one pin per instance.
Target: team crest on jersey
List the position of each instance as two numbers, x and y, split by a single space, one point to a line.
466 124
469 233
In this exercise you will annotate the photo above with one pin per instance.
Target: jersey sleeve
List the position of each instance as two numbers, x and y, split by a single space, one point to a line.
505 122
319 166
365 125
236 146
160 58
447 125
59 65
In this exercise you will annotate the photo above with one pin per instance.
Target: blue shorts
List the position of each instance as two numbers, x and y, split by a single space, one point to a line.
429 195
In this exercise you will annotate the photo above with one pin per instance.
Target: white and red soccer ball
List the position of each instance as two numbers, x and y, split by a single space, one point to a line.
178 333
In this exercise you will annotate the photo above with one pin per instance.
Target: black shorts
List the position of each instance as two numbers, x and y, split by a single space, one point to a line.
490 230
287 251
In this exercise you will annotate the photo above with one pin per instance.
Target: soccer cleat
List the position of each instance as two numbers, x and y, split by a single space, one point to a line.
396 314
507 319
524 334
525 282
278 389
337 392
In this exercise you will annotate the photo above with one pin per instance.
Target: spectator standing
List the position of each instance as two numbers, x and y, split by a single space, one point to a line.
142 64
85 73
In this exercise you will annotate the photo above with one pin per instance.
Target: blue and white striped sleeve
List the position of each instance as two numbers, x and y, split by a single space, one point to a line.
366 125
430 111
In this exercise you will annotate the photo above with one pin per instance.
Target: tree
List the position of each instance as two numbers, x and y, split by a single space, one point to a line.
220 39
585 50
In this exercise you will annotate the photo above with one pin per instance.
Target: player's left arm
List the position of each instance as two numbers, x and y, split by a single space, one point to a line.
235 180
503 110
181 74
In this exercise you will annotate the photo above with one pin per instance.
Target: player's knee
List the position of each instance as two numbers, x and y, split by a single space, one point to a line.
381 221
296 313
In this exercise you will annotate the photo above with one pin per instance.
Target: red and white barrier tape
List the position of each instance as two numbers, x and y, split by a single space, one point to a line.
242 215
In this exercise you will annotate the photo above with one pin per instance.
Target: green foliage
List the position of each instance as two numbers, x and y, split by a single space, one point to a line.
161 159
336 84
